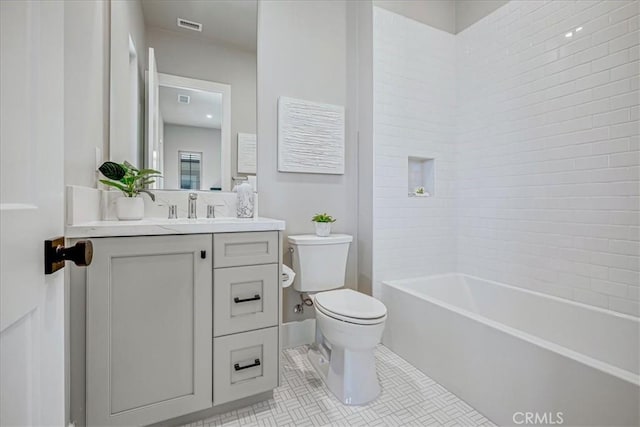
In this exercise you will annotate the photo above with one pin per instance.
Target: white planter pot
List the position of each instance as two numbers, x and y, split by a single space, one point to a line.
323 229
129 208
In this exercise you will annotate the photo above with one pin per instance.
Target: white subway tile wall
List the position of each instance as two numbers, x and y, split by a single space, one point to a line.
532 117
547 150
414 116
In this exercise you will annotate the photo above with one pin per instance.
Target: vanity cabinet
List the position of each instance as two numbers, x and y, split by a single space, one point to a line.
246 296
149 317
177 324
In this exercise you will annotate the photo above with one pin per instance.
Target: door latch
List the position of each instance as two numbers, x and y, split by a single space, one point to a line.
55 254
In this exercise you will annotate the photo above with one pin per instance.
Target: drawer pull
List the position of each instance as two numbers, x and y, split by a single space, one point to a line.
237 300
237 366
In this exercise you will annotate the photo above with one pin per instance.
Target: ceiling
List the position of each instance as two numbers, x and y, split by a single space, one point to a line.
452 16
231 22
194 113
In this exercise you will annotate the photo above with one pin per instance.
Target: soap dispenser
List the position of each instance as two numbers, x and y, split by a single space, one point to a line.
245 200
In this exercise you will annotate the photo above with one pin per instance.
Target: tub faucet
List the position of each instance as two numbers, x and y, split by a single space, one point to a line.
191 213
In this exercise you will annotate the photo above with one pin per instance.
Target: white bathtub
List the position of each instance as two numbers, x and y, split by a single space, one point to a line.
517 355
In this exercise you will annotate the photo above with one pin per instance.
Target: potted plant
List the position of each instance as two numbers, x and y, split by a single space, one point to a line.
323 223
131 181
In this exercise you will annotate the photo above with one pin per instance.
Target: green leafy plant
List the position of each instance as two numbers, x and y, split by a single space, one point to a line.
419 190
323 217
127 178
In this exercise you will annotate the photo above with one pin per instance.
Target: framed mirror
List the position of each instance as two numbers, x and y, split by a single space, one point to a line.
190 115
183 90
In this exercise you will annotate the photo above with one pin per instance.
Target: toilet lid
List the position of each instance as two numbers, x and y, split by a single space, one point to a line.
350 304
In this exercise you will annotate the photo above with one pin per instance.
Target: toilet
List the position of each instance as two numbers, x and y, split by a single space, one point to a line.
349 324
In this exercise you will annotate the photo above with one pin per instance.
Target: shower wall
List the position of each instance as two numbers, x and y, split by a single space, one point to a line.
547 150
532 117
414 115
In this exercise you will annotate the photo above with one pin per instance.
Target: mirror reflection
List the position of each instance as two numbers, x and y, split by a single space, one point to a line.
190 123
183 90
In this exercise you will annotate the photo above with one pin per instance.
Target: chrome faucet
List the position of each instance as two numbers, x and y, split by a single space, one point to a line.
211 210
192 206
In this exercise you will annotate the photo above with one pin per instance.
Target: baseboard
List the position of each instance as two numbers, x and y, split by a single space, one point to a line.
298 333
220 409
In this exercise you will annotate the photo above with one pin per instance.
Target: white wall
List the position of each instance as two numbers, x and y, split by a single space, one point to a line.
190 138
197 58
86 90
302 53
548 150
360 66
127 96
414 115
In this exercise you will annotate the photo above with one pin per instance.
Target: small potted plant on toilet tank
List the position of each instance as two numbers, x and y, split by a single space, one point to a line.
323 223
131 181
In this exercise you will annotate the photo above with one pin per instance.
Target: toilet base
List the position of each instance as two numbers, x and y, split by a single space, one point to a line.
349 374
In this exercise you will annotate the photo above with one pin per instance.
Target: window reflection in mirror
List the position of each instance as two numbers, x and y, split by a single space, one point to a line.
202 97
190 170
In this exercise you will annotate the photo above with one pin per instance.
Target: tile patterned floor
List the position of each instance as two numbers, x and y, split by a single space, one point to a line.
408 398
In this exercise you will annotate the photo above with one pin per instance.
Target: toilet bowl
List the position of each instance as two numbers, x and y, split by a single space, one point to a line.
349 324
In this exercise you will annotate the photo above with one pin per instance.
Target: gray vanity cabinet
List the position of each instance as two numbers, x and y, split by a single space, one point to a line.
246 297
149 328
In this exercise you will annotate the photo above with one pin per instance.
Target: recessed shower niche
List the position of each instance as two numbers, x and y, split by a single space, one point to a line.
421 177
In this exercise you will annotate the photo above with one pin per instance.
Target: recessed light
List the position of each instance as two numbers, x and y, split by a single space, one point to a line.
569 34
578 29
209 116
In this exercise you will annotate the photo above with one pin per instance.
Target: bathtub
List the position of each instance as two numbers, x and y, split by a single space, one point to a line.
517 356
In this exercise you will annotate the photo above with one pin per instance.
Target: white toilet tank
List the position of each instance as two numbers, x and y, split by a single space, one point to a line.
320 263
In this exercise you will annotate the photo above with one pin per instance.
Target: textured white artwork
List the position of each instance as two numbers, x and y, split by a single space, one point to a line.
247 153
310 137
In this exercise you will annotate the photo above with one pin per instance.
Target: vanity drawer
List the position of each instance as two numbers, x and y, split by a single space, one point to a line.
236 249
244 364
245 298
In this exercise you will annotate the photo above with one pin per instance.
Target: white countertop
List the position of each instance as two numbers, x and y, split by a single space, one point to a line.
160 226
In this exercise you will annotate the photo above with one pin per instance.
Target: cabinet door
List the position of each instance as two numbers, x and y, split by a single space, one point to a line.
148 329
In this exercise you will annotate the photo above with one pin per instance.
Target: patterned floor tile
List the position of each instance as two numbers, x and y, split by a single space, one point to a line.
408 398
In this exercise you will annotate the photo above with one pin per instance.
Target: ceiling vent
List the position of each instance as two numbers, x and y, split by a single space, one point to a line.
189 25
184 99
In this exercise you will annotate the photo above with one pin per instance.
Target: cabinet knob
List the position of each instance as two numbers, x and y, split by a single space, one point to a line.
55 254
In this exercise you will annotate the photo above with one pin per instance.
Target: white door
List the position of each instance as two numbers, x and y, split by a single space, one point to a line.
154 156
32 386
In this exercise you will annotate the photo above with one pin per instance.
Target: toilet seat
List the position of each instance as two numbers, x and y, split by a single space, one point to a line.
351 306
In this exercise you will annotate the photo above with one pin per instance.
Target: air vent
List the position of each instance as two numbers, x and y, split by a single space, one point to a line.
184 99
189 25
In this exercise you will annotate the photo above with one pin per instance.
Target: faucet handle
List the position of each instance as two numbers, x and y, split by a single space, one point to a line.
211 210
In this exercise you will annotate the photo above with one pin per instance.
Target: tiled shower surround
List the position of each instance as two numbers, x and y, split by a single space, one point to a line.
534 127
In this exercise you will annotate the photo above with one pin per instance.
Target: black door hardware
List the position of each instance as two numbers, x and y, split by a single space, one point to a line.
55 254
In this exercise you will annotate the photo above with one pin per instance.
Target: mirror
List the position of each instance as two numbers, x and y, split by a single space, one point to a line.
183 90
